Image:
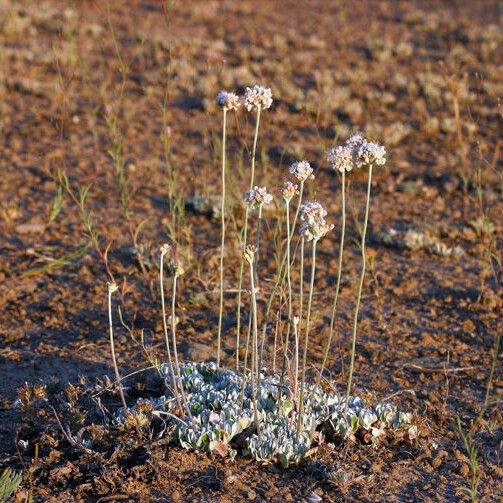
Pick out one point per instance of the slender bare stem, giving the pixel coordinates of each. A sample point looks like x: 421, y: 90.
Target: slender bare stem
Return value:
x: 306, y: 341
x: 288, y: 260
x: 360, y: 287
x: 245, y: 237
x: 254, y: 364
x: 281, y: 277
x: 245, y: 362
x: 222, y: 241
x: 296, y: 357
x: 339, y: 275
x: 164, y: 250
x: 281, y: 272
x: 275, y: 343
x: 112, y: 287
x: 301, y: 282
x: 257, y: 244
x: 175, y: 351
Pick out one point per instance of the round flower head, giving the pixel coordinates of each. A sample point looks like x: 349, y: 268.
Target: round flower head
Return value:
x: 341, y: 158
x: 312, y: 211
x: 229, y: 101
x: 257, y: 197
x: 112, y: 286
x: 370, y: 152
x: 257, y: 97
x: 314, y: 231
x: 165, y: 248
x: 301, y: 170
x: 288, y: 190
x: 354, y: 141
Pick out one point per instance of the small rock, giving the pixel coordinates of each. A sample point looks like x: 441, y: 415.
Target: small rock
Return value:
x: 313, y: 498
x: 28, y: 228
x: 251, y: 495
x: 464, y: 470
x: 437, y: 460
x: 469, y: 326
x: 175, y: 496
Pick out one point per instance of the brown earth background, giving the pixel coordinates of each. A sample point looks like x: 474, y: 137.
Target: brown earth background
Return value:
x: 399, y: 71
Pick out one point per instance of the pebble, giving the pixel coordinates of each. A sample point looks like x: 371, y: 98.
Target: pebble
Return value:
x: 175, y: 496
x: 28, y: 228
x: 463, y: 470
x: 437, y: 460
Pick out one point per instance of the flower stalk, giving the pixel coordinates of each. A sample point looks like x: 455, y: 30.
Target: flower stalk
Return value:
x: 222, y: 240
x: 255, y: 371
x: 164, y: 249
x: 112, y: 287
x: 360, y: 287
x: 245, y: 242
x: 339, y: 275
x: 306, y: 340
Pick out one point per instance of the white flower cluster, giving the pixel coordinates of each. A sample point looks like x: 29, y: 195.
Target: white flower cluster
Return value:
x: 257, y: 97
x: 301, y: 170
x: 312, y: 211
x: 314, y: 226
x: 370, y: 152
x: 341, y: 158
x: 257, y: 197
x: 356, y: 153
x: 289, y: 190
x: 213, y: 397
x: 228, y: 100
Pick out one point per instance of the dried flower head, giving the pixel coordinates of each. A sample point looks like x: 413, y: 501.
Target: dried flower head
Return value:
x: 313, y: 215
x: 112, y: 287
x: 370, y: 152
x: 227, y: 100
x: 175, y: 266
x: 257, y: 97
x: 341, y: 158
x: 136, y: 420
x: 257, y: 197
x: 165, y: 248
x: 312, y: 211
x: 289, y: 190
x: 249, y: 253
x: 39, y: 391
x: 301, y: 170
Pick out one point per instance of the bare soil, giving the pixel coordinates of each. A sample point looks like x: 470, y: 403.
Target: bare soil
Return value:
x: 428, y: 322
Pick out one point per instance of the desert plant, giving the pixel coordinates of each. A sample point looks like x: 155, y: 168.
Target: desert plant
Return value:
x: 9, y: 482
x: 471, y: 449
x: 207, y: 405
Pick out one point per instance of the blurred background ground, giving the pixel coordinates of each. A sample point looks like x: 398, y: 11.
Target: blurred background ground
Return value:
x: 424, y: 77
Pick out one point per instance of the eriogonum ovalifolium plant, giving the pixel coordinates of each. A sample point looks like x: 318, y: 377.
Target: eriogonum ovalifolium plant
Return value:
x: 217, y: 417
x: 272, y: 416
